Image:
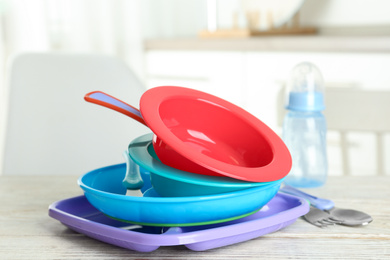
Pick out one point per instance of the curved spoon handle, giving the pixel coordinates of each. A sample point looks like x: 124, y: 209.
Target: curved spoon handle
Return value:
x: 132, y: 180
x: 105, y: 100
x: 319, y: 203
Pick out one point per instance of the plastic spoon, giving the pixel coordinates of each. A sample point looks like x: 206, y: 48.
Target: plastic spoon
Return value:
x: 132, y: 180
x: 349, y: 217
x: 319, y: 203
x: 105, y: 100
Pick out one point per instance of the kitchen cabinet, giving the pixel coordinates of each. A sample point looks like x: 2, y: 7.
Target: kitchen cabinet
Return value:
x: 218, y: 73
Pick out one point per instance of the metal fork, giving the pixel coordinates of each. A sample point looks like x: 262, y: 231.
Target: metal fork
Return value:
x: 320, y: 218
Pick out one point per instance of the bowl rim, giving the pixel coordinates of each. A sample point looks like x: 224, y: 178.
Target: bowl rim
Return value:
x: 124, y: 197
x: 138, y: 150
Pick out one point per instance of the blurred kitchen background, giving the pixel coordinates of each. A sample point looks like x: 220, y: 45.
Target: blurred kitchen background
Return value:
x: 241, y: 51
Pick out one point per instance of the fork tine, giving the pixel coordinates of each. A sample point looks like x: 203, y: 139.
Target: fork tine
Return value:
x: 319, y: 218
x: 324, y: 222
x: 336, y: 220
x: 318, y: 224
x: 329, y: 221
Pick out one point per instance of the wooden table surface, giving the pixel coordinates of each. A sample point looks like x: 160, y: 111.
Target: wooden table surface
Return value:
x: 27, y: 232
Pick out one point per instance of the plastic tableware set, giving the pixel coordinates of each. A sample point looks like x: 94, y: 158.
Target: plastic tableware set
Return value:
x: 209, y: 176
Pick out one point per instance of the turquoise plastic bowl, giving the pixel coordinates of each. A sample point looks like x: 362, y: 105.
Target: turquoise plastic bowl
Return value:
x: 171, y: 182
x: 104, y: 190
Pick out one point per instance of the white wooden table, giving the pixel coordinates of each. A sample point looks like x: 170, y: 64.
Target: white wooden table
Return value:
x: 27, y: 232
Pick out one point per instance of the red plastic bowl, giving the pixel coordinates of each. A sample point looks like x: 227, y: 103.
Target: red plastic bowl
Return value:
x: 201, y: 133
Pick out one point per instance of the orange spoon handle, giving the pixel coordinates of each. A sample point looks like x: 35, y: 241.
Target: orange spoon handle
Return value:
x: 105, y: 100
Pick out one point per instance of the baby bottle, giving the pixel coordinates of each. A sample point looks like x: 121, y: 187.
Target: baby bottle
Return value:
x: 304, y: 127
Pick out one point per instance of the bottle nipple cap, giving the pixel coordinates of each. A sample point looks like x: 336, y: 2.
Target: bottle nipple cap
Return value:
x: 305, y: 88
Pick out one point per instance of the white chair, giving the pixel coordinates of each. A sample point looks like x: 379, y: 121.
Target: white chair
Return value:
x: 353, y: 110
x: 350, y: 110
x: 51, y: 129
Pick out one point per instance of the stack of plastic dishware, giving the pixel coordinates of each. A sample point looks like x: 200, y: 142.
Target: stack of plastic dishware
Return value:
x: 208, y: 164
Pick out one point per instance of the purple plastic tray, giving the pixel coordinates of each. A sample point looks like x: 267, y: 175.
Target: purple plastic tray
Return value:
x: 79, y: 215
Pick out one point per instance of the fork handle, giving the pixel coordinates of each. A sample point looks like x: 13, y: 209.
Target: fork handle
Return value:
x: 319, y: 203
